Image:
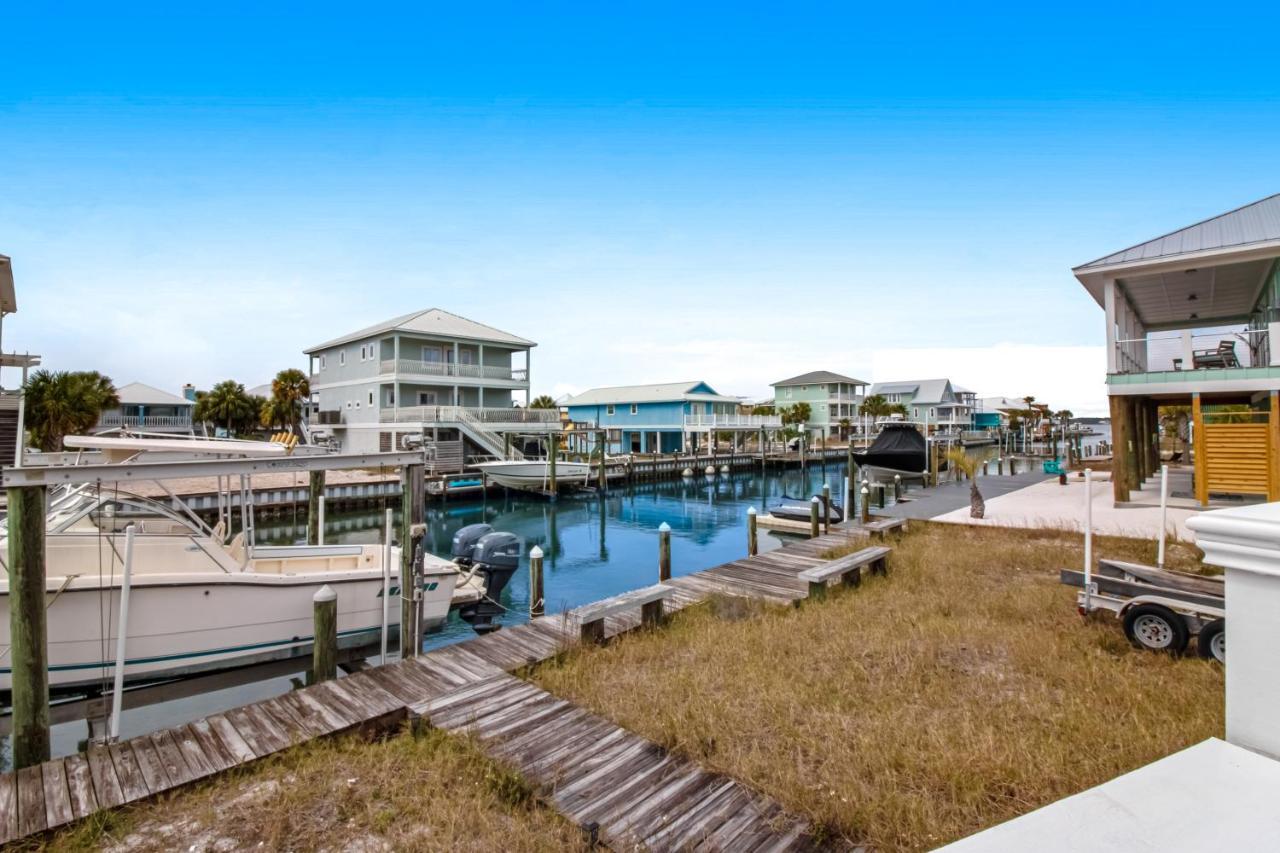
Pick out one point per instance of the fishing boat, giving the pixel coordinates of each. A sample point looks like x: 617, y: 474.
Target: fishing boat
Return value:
x: 535, y: 474
x: 899, y: 449
x: 200, y: 600
x: 798, y: 509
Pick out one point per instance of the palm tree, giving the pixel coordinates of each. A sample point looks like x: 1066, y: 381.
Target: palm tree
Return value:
x: 61, y: 403
x: 969, y: 465
x: 289, y: 390
x: 796, y: 414
x: 876, y: 406
x: 277, y: 413
x: 845, y: 426
x: 543, y: 401
x: 228, y: 405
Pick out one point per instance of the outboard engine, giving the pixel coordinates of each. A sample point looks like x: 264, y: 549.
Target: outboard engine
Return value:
x: 496, y: 556
x: 464, y: 542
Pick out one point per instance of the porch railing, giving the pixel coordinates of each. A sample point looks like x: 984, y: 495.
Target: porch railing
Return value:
x: 732, y: 421
x: 485, y: 416
x: 108, y: 420
x: 413, y: 367
x: 1185, y: 350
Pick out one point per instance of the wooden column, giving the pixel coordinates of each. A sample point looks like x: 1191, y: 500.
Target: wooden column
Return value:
x: 664, y: 552
x: 28, y: 630
x: 1132, y: 469
x: 324, y: 646
x: 536, y: 599
x: 1153, y: 440
x: 1201, y: 473
x: 1120, y: 431
x: 1273, y: 448
x: 412, y: 496
x: 315, y: 491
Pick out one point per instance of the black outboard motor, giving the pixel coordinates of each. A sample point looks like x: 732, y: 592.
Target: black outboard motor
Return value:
x: 464, y: 542
x: 496, y: 556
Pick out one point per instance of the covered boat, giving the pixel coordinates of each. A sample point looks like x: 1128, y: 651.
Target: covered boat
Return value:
x: 898, y: 449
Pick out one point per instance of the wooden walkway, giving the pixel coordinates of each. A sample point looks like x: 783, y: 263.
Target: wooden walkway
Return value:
x: 629, y: 790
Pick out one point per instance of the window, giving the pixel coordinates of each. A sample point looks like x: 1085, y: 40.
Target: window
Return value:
x: 342, y: 357
x: 915, y: 413
x: 608, y: 410
x: 370, y: 398
x: 362, y: 353
x: 322, y: 362
x: 787, y: 393
x: 391, y: 397
x: 635, y: 409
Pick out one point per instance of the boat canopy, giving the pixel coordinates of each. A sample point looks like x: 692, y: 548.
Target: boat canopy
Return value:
x: 898, y: 447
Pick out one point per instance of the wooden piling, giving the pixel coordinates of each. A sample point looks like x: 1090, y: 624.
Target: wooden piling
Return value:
x: 324, y: 646
x: 664, y: 552
x: 537, y: 602
x: 826, y: 508
x: 866, y: 504
x: 412, y: 496
x: 753, y: 544
x: 1121, y: 436
x: 813, y: 517
x: 553, y: 448
x: 315, y: 491
x: 28, y: 628
x: 602, y: 475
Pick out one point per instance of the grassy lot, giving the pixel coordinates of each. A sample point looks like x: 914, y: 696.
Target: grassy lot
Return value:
x: 420, y: 792
x: 959, y: 692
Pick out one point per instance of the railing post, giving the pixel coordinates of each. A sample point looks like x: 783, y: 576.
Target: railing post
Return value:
x: 664, y: 552
x: 324, y: 646
x: 753, y: 546
x: 536, y: 600
x: 28, y: 629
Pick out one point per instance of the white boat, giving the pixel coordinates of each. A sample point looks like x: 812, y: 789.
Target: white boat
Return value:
x: 198, y: 602
x: 536, y: 473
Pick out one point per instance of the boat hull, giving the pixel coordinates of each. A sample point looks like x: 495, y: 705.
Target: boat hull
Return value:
x: 536, y: 475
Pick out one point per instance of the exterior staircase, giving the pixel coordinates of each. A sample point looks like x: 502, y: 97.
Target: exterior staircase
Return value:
x: 8, y: 428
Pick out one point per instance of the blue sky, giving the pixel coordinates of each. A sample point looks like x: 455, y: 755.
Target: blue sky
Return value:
x: 652, y: 192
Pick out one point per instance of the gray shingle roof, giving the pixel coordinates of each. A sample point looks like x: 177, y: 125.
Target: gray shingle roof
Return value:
x: 818, y: 377
x: 435, y: 322
x: 658, y: 393
x: 927, y: 391
x: 1258, y: 222
x: 139, y: 394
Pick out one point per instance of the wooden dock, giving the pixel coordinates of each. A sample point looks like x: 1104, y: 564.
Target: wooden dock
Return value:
x: 623, y: 788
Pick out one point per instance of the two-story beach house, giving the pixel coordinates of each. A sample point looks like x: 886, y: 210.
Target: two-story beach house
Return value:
x: 451, y: 380
x: 1193, y: 319
x: 143, y: 408
x: 663, y: 418
x: 832, y: 398
x: 935, y: 402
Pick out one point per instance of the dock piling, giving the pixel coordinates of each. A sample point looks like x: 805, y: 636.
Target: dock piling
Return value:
x: 324, y: 648
x: 753, y: 546
x: 664, y: 552
x: 813, y: 517
x: 826, y: 507
x: 28, y: 627
x: 537, y: 603
x: 866, y: 503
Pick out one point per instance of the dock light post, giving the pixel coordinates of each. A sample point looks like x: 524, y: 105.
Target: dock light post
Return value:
x: 813, y: 516
x: 803, y: 432
x: 320, y: 519
x: 315, y: 515
x: 664, y: 552
x: 848, y: 499
x: 386, y: 581
x: 826, y: 507
x: 753, y: 545
x: 897, y: 487
x: 1164, y: 513
x: 1088, y: 540
x: 537, y: 604
x: 324, y: 648
x: 866, y: 503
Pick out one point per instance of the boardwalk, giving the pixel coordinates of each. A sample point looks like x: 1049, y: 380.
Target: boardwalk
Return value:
x: 606, y: 779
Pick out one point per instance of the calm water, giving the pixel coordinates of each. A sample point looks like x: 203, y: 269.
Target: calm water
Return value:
x: 595, y: 546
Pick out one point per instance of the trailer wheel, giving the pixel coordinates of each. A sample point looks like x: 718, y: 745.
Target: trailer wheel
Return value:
x: 1211, y: 644
x: 1156, y: 628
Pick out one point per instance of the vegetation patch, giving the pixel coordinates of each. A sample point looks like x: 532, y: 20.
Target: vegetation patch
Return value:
x: 424, y: 791
x: 960, y: 691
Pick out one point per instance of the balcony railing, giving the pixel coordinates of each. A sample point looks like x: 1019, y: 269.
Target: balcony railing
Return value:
x: 1178, y: 351
x: 733, y: 421
x: 456, y: 414
x: 108, y: 420
x: 848, y: 399
x: 448, y: 369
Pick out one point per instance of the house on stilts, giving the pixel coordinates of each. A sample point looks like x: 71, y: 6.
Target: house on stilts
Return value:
x: 1193, y: 319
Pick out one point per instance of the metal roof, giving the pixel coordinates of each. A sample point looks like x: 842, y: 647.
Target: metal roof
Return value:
x: 818, y: 377
x: 135, y: 393
x: 8, y: 299
x: 659, y: 393
x: 1258, y: 222
x: 927, y: 391
x: 434, y: 322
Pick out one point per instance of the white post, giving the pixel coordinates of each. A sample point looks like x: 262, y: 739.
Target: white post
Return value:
x: 386, y: 581
x: 1164, y: 513
x: 1088, y: 537
x: 122, y: 633
x: 848, y: 500
x: 320, y: 523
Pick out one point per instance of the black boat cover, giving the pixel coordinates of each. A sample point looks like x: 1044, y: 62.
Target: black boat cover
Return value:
x: 898, y: 447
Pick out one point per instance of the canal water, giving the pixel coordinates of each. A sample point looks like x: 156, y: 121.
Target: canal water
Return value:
x: 596, y: 545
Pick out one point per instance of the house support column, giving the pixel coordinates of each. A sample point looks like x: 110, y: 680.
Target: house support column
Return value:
x: 1133, y: 468
x: 1120, y: 436
x: 1198, y: 445
x: 1273, y: 447
x: 1140, y: 443
x: 1153, y: 440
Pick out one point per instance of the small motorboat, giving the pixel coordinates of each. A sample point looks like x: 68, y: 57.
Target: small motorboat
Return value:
x: 535, y: 474
x: 797, y: 509
x: 898, y: 449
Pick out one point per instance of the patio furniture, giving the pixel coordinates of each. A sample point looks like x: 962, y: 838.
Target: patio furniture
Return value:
x: 1223, y: 356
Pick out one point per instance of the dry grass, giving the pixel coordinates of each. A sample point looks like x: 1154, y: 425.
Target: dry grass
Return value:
x: 429, y: 791
x: 961, y: 691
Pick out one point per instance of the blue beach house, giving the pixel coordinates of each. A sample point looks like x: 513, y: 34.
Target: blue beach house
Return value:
x: 660, y: 418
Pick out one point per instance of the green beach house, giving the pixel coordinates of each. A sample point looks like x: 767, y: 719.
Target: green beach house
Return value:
x: 832, y: 398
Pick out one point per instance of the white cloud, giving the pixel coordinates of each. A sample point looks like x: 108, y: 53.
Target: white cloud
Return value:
x: 1064, y: 377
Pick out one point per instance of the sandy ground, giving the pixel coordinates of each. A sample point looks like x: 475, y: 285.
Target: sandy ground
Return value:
x: 1047, y: 504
